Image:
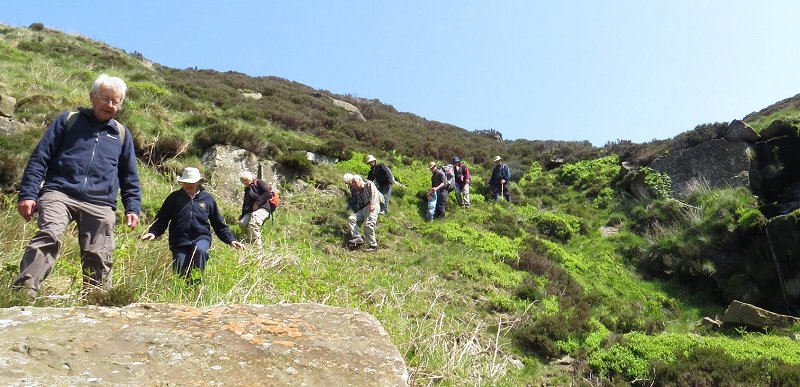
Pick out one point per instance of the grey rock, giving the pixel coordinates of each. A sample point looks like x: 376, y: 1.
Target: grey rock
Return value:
x: 709, y: 323
x: 224, y: 163
x: 255, y: 96
x: 740, y: 131
x: 718, y: 163
x: 9, y: 127
x: 320, y: 159
x: 7, y: 105
x: 162, y: 344
x: 740, y: 313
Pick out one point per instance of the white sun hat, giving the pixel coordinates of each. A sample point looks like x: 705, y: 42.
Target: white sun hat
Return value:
x: 190, y: 175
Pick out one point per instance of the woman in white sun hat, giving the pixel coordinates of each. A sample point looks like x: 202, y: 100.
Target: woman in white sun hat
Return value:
x: 190, y: 213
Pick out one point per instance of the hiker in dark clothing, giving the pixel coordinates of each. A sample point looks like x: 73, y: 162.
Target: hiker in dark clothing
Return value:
x: 255, y: 206
x: 382, y: 176
x: 437, y: 195
x: 499, y: 180
x: 83, y: 160
x: 462, y: 178
x: 190, y: 213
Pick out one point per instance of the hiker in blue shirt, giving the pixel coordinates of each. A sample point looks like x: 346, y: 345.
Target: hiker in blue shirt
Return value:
x: 82, y: 161
x: 499, y: 180
x: 190, y: 213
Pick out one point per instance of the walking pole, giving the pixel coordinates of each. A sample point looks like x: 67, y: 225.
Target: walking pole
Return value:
x: 502, y: 189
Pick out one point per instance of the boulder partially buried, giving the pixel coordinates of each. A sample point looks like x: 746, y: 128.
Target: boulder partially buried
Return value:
x: 163, y: 344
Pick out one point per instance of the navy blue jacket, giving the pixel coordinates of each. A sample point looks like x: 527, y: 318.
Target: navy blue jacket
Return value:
x: 88, y: 163
x: 500, y: 172
x: 190, y: 219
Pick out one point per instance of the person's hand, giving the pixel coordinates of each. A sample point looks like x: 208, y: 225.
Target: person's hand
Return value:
x: 371, y: 208
x: 26, y: 208
x: 148, y: 236
x: 131, y: 220
x: 255, y: 207
x: 237, y: 245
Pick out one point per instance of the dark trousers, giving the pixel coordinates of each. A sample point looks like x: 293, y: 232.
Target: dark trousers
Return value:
x: 194, y: 256
x: 441, y: 203
x: 496, y: 191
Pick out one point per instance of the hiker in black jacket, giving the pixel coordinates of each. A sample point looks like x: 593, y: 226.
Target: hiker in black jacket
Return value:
x: 382, y: 176
x: 255, y: 205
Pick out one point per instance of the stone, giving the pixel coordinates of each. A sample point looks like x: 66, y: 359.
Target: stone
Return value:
x: 717, y: 163
x: 165, y: 344
x: 224, y: 163
x: 9, y: 127
x: 255, y: 96
x: 709, y: 323
x: 740, y: 313
x: 740, y: 131
x: 320, y: 159
x: 7, y: 105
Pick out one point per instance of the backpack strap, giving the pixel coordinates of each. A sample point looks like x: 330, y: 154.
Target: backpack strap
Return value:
x: 73, y: 116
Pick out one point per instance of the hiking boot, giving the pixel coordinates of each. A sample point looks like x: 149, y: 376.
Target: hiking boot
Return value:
x: 356, y: 241
x: 371, y: 249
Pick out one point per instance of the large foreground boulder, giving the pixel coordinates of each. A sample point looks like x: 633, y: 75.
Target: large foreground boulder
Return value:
x: 178, y: 345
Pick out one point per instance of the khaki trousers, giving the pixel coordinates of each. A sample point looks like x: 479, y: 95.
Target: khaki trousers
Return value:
x: 370, y: 220
x: 95, y: 238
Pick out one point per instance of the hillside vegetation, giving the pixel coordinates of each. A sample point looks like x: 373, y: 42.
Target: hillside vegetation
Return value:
x: 490, y: 295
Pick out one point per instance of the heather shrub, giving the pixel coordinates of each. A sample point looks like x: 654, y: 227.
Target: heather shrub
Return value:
x: 296, y: 162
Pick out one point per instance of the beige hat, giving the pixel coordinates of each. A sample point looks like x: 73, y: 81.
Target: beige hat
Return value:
x: 190, y: 175
x: 497, y: 158
x: 369, y: 159
x: 432, y: 165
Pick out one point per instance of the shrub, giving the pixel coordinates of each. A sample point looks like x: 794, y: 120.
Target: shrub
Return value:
x: 36, y: 26
x: 659, y: 184
x: 296, y: 162
x: 715, y: 367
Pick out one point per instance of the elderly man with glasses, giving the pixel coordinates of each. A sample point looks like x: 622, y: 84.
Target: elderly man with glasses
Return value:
x: 83, y: 160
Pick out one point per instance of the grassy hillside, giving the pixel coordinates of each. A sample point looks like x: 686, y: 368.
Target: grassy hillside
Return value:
x: 487, y: 296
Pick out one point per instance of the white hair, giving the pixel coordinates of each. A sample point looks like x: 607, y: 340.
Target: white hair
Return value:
x: 247, y: 175
x: 115, y: 83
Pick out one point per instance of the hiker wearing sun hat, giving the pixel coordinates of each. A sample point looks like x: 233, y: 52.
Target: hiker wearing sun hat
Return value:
x: 190, y: 212
x: 499, y: 180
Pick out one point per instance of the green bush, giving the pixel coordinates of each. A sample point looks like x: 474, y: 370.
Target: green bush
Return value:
x: 296, y: 162
x: 715, y: 367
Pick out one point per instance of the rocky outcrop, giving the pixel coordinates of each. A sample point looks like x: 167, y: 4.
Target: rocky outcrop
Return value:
x: 719, y: 163
x: 740, y: 313
x: 179, y: 345
x: 224, y: 163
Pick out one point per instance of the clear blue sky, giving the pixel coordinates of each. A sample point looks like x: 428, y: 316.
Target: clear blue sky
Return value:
x: 540, y: 70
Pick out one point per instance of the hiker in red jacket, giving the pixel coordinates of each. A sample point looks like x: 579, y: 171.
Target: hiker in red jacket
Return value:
x: 462, y: 178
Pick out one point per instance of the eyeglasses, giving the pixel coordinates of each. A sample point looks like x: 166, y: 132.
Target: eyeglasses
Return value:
x: 105, y: 100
